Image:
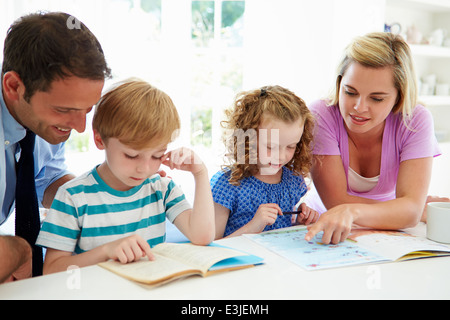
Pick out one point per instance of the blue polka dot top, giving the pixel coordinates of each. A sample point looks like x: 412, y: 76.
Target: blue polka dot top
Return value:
x: 245, y: 199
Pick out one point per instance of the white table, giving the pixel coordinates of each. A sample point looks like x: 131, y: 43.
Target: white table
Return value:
x: 277, y: 279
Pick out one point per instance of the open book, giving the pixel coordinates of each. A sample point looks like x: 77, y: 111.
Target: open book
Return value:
x: 176, y: 260
x: 362, y: 246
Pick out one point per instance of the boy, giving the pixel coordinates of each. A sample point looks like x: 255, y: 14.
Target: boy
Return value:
x: 118, y: 210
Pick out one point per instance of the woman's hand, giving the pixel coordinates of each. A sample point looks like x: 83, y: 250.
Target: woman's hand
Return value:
x: 432, y: 199
x: 336, y: 224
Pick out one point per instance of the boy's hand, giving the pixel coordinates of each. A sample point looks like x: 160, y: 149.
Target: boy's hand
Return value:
x: 129, y: 249
x: 184, y: 159
x: 266, y: 215
x: 307, y: 215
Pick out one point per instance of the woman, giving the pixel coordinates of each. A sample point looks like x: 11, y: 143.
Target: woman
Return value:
x: 374, y: 146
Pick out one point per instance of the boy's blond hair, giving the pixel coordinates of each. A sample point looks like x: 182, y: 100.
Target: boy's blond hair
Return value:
x: 138, y: 114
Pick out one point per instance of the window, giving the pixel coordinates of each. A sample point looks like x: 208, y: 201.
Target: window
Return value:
x: 217, y: 60
x: 203, y: 52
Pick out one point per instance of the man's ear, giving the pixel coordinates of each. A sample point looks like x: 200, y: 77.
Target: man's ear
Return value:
x: 98, y: 140
x: 13, y: 87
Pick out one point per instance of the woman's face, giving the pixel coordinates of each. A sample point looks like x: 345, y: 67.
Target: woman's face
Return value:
x: 366, y: 97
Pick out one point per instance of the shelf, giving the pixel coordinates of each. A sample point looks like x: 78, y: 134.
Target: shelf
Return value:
x: 435, y: 100
x: 425, y: 50
x: 427, y: 5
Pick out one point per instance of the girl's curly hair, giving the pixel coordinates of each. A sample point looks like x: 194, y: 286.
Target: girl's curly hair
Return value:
x: 246, y: 115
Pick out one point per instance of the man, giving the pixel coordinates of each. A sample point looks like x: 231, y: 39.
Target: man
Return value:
x: 53, y: 73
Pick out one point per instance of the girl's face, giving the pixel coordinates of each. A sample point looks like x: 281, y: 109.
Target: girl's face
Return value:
x: 124, y: 167
x: 277, y: 141
x: 366, y: 97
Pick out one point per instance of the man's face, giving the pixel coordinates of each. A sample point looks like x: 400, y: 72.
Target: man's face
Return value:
x: 52, y: 115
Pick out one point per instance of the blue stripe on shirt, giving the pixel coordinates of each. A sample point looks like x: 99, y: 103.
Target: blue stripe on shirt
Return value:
x: 61, y: 231
x: 124, y: 228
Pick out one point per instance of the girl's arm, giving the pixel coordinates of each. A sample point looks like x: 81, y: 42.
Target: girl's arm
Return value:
x: 404, y: 211
x: 266, y: 214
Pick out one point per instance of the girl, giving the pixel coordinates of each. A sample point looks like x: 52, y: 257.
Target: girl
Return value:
x: 270, y: 150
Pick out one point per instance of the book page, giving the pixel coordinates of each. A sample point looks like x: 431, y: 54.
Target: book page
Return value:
x: 201, y: 257
x: 149, y: 272
x: 174, y: 260
x: 396, y: 244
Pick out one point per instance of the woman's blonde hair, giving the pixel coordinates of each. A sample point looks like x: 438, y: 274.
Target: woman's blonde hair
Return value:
x: 379, y: 50
x: 247, y: 114
x: 138, y: 114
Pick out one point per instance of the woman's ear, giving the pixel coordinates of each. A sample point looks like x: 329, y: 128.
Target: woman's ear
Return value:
x: 99, y: 141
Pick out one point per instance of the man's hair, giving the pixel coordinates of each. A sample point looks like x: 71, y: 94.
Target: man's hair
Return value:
x: 46, y: 46
x: 137, y: 114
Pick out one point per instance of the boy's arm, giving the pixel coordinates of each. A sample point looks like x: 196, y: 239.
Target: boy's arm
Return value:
x: 221, y: 214
x: 198, y: 224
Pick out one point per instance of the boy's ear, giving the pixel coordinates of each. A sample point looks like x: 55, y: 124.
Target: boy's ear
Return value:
x: 98, y: 140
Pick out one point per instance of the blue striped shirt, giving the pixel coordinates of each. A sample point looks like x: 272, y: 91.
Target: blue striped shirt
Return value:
x: 87, y: 213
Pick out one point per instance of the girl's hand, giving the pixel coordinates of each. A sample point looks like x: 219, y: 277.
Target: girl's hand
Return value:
x: 184, y: 159
x: 128, y: 249
x: 266, y: 215
x: 336, y: 224
x: 307, y: 215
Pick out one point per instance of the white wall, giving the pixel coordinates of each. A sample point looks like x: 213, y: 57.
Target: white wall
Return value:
x: 297, y: 44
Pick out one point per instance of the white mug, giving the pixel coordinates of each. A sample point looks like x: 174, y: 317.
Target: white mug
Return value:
x: 438, y: 221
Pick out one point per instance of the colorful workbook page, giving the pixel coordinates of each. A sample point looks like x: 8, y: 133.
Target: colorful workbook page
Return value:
x: 313, y: 255
x: 361, y: 247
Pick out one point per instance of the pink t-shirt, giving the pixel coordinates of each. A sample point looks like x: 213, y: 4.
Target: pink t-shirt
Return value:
x: 400, y: 143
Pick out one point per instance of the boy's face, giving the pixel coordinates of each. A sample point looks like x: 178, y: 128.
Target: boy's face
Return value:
x: 124, y: 167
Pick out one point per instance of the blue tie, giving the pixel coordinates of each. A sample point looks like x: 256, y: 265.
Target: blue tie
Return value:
x: 27, y: 209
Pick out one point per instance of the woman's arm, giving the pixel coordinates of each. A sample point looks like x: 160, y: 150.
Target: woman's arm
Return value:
x: 404, y: 211
x: 330, y: 181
